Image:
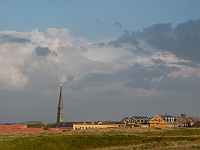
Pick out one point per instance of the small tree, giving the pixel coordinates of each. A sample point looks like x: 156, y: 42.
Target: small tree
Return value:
x: 46, y: 127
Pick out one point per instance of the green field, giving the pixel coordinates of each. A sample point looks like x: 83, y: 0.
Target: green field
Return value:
x: 112, y: 139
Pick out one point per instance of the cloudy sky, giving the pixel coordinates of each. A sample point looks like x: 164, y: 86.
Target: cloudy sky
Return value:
x: 114, y: 58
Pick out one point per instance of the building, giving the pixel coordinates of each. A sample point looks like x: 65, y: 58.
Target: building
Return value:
x: 35, y: 124
x: 164, y: 121
x: 142, y: 121
x: 88, y: 125
x: 185, y: 121
x: 65, y: 125
x: 13, y: 128
x: 196, y: 124
x: 96, y: 125
x: 182, y: 122
x: 60, y: 112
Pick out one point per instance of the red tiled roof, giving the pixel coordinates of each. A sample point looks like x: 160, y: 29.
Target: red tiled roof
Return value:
x: 13, y: 126
x: 23, y: 128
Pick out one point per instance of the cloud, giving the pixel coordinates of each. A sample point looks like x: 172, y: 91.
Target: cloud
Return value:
x: 64, y: 58
x: 138, y: 67
x: 19, y: 62
x: 188, y: 36
x: 157, y: 29
x: 118, y: 25
x: 93, y: 80
x: 8, y: 38
x: 56, y: 56
x: 182, y: 41
x: 42, y: 51
x: 15, y: 55
x: 187, y: 63
x: 105, y: 53
x: 126, y: 38
x: 142, y: 77
x: 179, y: 84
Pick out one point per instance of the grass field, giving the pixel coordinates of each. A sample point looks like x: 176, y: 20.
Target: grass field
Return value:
x: 106, y: 139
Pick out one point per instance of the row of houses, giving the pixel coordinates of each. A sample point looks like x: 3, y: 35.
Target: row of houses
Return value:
x: 138, y: 121
x: 162, y: 121
x: 38, y: 126
x: 141, y: 121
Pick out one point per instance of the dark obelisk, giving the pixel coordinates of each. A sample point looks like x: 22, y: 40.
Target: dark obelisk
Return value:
x: 60, y: 113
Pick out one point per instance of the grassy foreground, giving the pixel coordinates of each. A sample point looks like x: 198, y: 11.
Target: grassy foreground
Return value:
x: 116, y: 139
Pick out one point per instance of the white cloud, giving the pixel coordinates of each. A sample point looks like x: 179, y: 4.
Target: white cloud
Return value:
x: 15, y: 58
x: 19, y: 59
x: 71, y: 58
x: 106, y: 53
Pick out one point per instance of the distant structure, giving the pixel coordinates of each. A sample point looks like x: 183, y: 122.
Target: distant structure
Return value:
x: 60, y: 113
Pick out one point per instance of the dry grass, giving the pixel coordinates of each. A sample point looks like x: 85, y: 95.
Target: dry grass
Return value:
x: 107, y: 139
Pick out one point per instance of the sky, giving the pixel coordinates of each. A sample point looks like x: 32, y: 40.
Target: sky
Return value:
x: 114, y: 58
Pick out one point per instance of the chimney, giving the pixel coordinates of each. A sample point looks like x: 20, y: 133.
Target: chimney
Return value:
x: 183, y: 115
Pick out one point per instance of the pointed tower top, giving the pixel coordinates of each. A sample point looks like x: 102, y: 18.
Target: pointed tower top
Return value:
x: 60, y: 112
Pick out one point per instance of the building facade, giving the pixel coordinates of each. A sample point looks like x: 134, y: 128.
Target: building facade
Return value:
x: 142, y: 121
x: 95, y: 125
x: 185, y: 121
x: 164, y: 121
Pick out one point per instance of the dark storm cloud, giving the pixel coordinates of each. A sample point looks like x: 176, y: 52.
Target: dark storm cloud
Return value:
x: 130, y: 38
x: 188, y: 37
x: 42, y: 51
x: 7, y: 38
x: 136, y: 76
x: 134, y: 38
x: 182, y: 41
x: 141, y: 77
x: 155, y: 29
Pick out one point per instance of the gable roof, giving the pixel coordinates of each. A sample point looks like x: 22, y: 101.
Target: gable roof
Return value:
x: 196, y: 124
x: 182, y: 120
x: 141, y: 117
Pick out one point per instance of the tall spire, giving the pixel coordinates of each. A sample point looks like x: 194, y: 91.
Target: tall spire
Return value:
x: 60, y: 113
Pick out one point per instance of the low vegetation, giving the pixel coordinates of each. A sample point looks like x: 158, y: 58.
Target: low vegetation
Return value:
x: 116, y: 139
